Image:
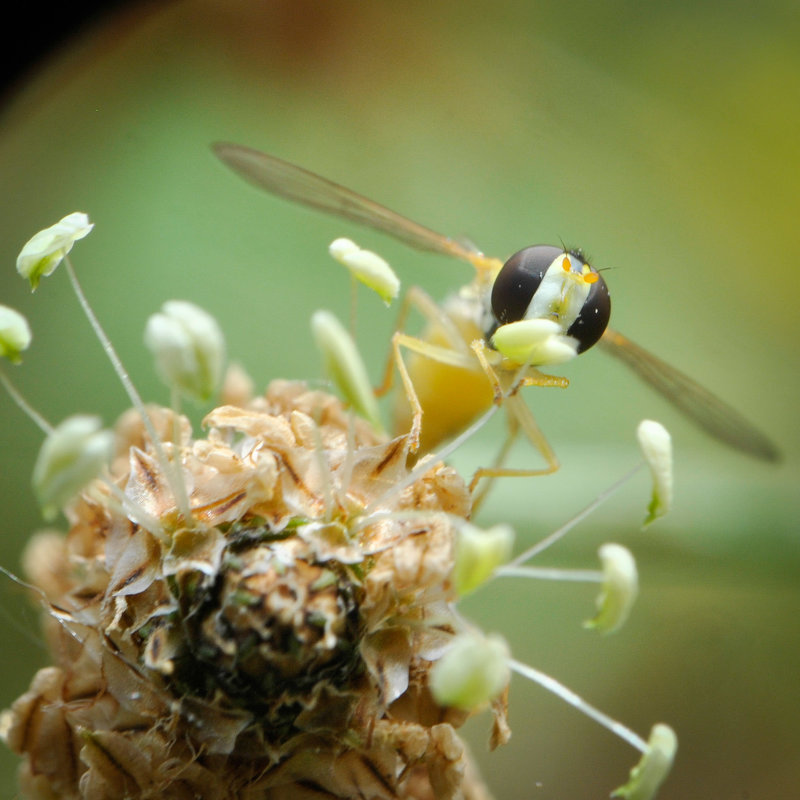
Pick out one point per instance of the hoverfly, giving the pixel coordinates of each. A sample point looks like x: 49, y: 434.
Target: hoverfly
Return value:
x: 454, y: 371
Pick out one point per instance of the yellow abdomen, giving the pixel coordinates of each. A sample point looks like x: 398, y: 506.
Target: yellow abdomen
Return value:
x: 451, y: 397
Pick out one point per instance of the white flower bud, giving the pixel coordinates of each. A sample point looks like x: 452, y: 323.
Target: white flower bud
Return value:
x: 345, y: 365
x: 367, y: 267
x: 71, y: 456
x: 534, y: 341
x: 46, y: 250
x: 620, y: 587
x: 654, y: 766
x: 15, y: 334
x: 188, y: 347
x: 656, y: 445
x: 478, y: 553
x: 472, y: 672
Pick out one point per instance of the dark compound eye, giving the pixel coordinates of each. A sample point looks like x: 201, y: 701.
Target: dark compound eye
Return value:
x: 521, y: 277
x: 592, y: 320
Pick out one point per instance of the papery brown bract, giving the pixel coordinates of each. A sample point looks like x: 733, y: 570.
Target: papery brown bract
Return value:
x: 278, y: 647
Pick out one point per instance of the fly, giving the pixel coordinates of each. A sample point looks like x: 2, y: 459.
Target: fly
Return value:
x: 454, y: 371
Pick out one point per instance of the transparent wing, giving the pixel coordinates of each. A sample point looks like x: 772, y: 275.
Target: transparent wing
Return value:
x: 304, y: 187
x: 703, y: 408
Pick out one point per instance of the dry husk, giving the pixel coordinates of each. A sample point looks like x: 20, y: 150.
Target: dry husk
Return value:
x: 277, y: 646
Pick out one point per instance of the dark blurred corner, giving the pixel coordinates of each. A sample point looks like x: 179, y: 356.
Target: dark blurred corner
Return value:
x: 36, y: 31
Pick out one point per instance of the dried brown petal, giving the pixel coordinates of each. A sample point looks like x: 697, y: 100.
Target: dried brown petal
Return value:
x: 276, y: 646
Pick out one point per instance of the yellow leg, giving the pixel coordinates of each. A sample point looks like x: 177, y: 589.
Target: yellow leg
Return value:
x: 433, y: 314
x: 442, y: 355
x: 455, y: 353
x: 451, y: 351
x: 479, y: 348
x: 530, y: 377
x: 519, y: 418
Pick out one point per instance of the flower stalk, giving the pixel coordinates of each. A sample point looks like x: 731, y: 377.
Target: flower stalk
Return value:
x: 171, y: 469
x: 44, y: 426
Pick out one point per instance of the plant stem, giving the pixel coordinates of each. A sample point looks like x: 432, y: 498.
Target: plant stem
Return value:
x: 25, y: 406
x: 579, y: 517
x: 558, y: 689
x: 550, y: 574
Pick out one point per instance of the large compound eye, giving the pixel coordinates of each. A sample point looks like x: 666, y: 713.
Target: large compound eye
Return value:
x: 547, y: 282
x: 591, y: 322
x: 519, y: 278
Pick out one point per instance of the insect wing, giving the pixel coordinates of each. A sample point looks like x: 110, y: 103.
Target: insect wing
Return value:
x: 703, y: 408
x: 307, y: 188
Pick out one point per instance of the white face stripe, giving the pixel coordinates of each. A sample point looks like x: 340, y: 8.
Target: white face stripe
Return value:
x: 561, y: 294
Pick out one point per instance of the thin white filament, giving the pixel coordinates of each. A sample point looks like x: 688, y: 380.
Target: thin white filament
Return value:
x: 579, y: 517
x: 558, y: 689
x: 550, y: 574
x: 172, y: 471
x: 25, y: 406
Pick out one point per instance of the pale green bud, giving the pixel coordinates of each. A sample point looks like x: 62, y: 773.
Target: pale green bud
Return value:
x: 656, y: 445
x: 620, y: 587
x: 367, y: 267
x: 472, y: 672
x: 654, y: 766
x: 534, y: 341
x: 188, y: 347
x: 478, y: 553
x: 46, y: 250
x: 71, y: 456
x: 15, y: 334
x: 344, y: 364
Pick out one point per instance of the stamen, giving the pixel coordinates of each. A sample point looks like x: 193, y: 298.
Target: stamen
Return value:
x: 171, y: 471
x: 25, y: 406
x: 550, y: 573
x: 576, y: 701
x: 579, y: 517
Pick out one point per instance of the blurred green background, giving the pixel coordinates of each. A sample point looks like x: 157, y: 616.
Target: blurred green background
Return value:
x: 662, y: 138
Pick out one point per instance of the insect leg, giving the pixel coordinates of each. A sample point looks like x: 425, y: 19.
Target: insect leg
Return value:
x: 503, y: 389
x: 502, y: 454
x: 519, y: 418
x: 437, y: 353
x: 420, y: 300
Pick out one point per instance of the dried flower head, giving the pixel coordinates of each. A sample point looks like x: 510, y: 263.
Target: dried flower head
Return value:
x: 284, y: 641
